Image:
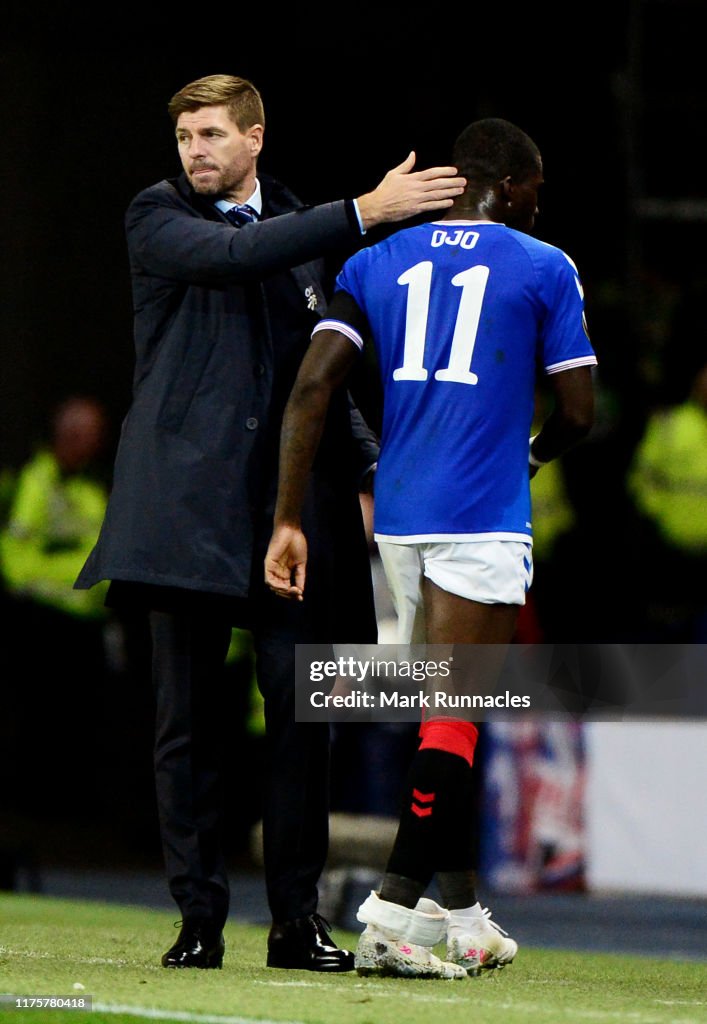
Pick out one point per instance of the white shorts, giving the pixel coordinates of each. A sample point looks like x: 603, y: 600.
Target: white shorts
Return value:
x: 491, y: 572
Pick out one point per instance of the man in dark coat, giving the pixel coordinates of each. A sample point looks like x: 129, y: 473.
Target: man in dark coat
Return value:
x: 227, y: 285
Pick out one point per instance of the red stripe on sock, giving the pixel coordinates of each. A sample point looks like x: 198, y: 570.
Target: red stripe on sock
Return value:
x: 423, y: 798
x: 421, y: 812
x: 452, y: 735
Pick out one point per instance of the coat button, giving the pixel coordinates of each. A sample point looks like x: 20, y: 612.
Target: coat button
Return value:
x: 259, y: 369
x: 251, y: 423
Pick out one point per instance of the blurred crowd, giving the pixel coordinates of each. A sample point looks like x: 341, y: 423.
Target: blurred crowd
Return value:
x: 620, y: 524
x: 77, y: 723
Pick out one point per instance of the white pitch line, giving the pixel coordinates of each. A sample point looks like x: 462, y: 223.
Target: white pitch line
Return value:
x: 473, y: 990
x: 378, y: 993
x: 32, y: 954
x: 634, y: 1017
x: 681, y: 1002
x: 151, y: 1013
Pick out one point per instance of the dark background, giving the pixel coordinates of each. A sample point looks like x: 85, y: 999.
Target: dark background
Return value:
x: 615, y: 100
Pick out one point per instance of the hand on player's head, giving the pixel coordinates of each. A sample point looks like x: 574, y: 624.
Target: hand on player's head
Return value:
x: 406, y: 193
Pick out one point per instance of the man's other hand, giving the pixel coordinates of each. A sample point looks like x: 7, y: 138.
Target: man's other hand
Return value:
x: 286, y: 562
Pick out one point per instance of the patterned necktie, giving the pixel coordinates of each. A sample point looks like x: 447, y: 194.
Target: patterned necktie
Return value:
x: 240, y: 215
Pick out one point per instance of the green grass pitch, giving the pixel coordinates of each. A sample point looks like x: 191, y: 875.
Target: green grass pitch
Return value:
x: 48, y: 946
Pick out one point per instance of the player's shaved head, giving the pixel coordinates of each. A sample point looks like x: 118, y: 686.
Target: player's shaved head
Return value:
x: 491, y: 149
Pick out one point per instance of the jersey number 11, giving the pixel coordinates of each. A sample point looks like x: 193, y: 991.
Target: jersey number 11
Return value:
x: 418, y: 280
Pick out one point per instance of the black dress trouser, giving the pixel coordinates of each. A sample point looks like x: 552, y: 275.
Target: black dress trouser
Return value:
x: 191, y: 742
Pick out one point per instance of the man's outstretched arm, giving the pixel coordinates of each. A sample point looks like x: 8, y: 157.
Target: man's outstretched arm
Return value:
x: 325, y: 366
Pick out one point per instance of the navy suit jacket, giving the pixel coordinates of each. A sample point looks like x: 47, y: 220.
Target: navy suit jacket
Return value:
x: 223, y: 317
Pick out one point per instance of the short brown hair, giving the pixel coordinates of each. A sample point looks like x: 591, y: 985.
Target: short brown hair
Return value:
x: 242, y: 99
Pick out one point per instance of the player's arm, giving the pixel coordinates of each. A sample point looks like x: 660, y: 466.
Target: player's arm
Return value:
x: 567, y: 356
x: 330, y: 356
x: 570, y: 420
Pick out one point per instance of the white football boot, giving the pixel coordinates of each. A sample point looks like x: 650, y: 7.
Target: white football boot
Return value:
x: 477, y: 943
x: 398, y: 941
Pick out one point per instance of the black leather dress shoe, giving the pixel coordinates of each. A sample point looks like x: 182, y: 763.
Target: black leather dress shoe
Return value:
x: 199, y: 945
x: 304, y: 944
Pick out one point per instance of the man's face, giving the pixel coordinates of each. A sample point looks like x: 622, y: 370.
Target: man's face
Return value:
x: 218, y: 159
x: 524, y: 201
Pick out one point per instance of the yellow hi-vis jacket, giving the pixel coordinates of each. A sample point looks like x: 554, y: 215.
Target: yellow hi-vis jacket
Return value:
x: 53, y: 524
x: 668, y: 477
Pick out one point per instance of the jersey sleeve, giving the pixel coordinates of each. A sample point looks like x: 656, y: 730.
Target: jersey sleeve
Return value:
x: 345, y: 313
x: 564, y: 340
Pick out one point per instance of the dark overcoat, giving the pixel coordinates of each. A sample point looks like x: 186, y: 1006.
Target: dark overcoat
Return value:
x: 223, y: 317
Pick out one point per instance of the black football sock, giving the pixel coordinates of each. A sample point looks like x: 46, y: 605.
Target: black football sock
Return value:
x: 403, y: 891
x: 458, y: 889
x: 436, y: 823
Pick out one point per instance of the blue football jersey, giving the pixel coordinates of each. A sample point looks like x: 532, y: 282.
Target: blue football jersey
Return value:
x: 462, y: 315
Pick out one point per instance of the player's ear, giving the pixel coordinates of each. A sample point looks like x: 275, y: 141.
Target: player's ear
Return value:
x: 505, y: 189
